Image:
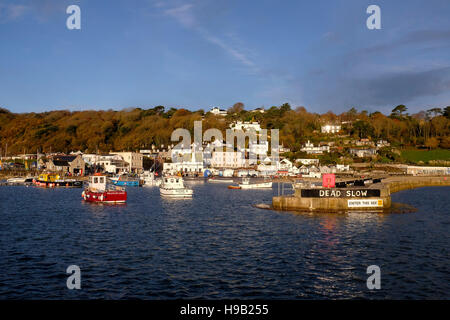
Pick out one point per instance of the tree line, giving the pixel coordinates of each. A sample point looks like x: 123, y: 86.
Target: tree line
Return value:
x: 140, y: 128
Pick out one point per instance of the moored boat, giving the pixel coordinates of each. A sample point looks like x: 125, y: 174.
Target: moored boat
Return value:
x: 149, y: 180
x: 173, y: 187
x: 98, y: 191
x: 125, y: 181
x: 218, y: 180
x: 247, y: 185
x: 51, y: 180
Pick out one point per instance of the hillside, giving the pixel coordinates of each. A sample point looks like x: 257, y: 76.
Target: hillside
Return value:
x: 138, y: 128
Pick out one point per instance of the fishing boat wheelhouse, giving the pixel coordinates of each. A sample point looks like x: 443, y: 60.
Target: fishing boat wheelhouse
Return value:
x: 99, y: 191
x: 173, y: 187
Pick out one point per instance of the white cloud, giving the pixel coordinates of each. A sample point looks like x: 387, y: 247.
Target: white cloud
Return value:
x: 10, y: 12
x: 182, y: 14
x: 185, y: 16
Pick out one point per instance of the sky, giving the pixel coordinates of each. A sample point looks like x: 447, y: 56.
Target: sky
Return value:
x: 196, y: 54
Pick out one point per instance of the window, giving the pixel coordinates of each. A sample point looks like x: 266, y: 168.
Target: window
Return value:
x: 95, y: 180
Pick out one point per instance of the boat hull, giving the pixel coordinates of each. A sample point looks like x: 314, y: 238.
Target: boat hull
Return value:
x: 264, y: 185
x: 108, y: 196
x: 126, y: 183
x: 221, y: 180
x: 176, y: 193
x: 62, y: 183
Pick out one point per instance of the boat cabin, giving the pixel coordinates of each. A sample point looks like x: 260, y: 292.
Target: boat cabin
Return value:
x: 98, y: 182
x: 173, y: 182
x: 48, y: 177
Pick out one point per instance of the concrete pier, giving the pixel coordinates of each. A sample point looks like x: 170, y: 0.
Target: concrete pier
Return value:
x: 353, y: 198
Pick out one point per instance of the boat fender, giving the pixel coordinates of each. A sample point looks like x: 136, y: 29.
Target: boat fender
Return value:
x: 100, y: 198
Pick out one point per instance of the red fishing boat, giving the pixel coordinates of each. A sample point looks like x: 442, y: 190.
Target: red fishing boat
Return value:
x: 98, y: 191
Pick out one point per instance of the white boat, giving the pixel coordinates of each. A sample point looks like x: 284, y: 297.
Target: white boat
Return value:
x: 19, y: 180
x: 16, y: 180
x: 173, y: 187
x: 149, y: 179
x: 247, y: 185
x: 220, y: 180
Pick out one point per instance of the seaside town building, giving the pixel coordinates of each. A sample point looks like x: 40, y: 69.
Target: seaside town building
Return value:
x: 112, y: 163
x: 331, y: 128
x: 260, y: 110
x: 361, y: 153
x: 228, y: 159
x: 383, y: 143
x: 134, y: 160
x: 187, y: 164
x: 246, y: 125
x: 74, y: 165
x: 308, y: 161
x: 218, y: 112
x: 309, y: 148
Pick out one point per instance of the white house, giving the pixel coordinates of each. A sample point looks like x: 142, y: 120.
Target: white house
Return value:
x: 361, y: 153
x: 187, y: 164
x: 284, y: 165
x: 331, y: 128
x: 267, y: 170
x: 309, y: 148
x: 218, y: 112
x: 247, y: 125
x: 342, y: 167
x: 112, y: 163
x: 308, y: 161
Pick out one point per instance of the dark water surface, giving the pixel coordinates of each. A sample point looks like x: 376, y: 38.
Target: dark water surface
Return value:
x: 218, y: 246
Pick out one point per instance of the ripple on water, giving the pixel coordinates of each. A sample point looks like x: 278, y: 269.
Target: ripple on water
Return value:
x: 217, y: 245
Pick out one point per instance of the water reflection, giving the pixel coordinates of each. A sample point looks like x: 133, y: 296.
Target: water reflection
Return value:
x: 217, y: 245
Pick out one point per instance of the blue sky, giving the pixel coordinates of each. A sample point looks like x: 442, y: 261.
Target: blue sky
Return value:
x: 202, y: 53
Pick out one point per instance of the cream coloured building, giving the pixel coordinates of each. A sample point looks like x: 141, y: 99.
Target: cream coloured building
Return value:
x: 227, y: 159
x: 134, y: 160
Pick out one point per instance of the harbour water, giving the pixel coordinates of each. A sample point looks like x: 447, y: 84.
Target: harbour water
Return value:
x: 218, y: 246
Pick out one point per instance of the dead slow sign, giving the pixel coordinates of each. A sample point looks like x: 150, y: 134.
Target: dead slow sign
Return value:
x: 340, y: 193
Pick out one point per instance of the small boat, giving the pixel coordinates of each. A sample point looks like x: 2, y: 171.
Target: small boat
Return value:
x: 173, y: 187
x: 247, y: 185
x: 148, y: 179
x: 220, y: 180
x: 123, y: 181
x: 234, y: 187
x: 52, y: 180
x: 16, y: 180
x: 99, y: 191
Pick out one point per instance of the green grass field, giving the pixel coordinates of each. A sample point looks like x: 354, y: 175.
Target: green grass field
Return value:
x: 425, y: 155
